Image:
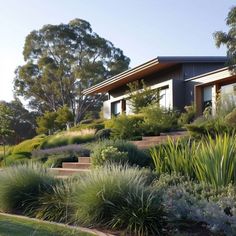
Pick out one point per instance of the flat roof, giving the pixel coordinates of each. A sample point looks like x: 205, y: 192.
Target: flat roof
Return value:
x: 154, y: 65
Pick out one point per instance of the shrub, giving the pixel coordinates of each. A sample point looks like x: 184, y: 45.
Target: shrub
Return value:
x: 204, y: 127
x: 69, y: 137
x: 231, y: 118
x: 29, y: 145
x: 125, y: 127
x: 56, y: 160
x: 55, y: 204
x: 188, y: 116
x: 118, y: 198
x: 103, y: 134
x: 135, y: 156
x: 186, y: 200
x: 157, y: 120
x: 21, y: 186
x: 69, y: 150
x: 16, y: 159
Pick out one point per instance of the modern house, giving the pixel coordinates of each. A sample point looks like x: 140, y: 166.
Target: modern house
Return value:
x: 181, y: 81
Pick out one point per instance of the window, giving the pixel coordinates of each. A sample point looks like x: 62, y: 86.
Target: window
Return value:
x: 116, y: 108
x: 207, y: 97
x: 228, y: 94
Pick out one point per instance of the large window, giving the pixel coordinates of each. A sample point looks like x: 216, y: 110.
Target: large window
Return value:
x: 164, y: 97
x: 228, y: 95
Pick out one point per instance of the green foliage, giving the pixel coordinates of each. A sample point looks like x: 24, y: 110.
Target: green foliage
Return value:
x: 215, y: 161
x: 5, y: 123
x: 56, y: 204
x: 53, y: 121
x: 188, y: 116
x: 230, y: 118
x: 16, y: 159
x: 175, y: 157
x: 211, y: 161
x: 56, y: 56
x: 118, y: 198
x: 125, y: 127
x: 158, y: 120
x: 141, y: 96
x: 68, y: 137
x: 20, y: 187
x: 103, y: 134
x: 28, y: 145
x: 228, y: 39
x: 89, y: 124
x: 55, y: 161
x: 136, y: 157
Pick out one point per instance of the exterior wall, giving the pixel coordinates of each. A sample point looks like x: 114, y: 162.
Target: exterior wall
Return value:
x: 194, y: 69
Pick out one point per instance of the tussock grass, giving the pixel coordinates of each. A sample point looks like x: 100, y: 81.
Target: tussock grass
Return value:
x: 20, y: 187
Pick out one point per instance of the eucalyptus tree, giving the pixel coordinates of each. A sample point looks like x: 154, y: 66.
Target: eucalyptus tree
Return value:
x: 61, y: 61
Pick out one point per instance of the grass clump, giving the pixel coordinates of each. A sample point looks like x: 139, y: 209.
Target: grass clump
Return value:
x: 21, y: 186
x: 119, y: 198
x: 55, y: 204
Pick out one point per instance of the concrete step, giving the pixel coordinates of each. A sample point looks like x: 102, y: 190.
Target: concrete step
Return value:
x: 76, y: 165
x: 84, y: 160
x: 67, y: 171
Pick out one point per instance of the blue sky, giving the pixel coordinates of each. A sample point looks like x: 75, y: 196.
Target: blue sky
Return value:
x: 143, y: 29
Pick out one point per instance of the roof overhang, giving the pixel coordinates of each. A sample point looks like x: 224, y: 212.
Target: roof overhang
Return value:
x: 217, y: 76
x: 152, y: 66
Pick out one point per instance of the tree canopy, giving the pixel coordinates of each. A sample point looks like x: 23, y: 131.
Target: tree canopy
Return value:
x: 63, y: 60
x: 18, y: 122
x: 228, y: 39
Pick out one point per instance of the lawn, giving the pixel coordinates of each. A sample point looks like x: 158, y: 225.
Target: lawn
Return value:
x: 12, y: 226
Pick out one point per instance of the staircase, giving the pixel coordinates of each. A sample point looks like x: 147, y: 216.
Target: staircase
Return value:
x: 151, y: 141
x: 70, y: 168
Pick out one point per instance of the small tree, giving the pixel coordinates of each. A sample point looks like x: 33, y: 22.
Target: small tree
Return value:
x: 52, y: 121
x: 140, y: 95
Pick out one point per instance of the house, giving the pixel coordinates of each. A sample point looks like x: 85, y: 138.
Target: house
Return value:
x: 181, y: 81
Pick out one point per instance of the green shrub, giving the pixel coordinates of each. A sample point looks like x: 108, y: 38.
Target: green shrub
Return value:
x: 215, y: 161
x: 68, y: 137
x: 89, y: 124
x: 56, y: 204
x: 118, y: 198
x: 16, y: 159
x: 125, y: 127
x: 21, y: 186
x: 135, y: 156
x: 203, y: 127
x: 157, y: 120
x: 103, y: 134
x: 55, y: 161
x: 175, y: 156
x: 29, y: 145
x: 231, y: 118
x: 188, y: 116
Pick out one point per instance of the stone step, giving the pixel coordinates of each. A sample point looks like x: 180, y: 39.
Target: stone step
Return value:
x: 76, y: 165
x: 67, y: 171
x: 84, y: 160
